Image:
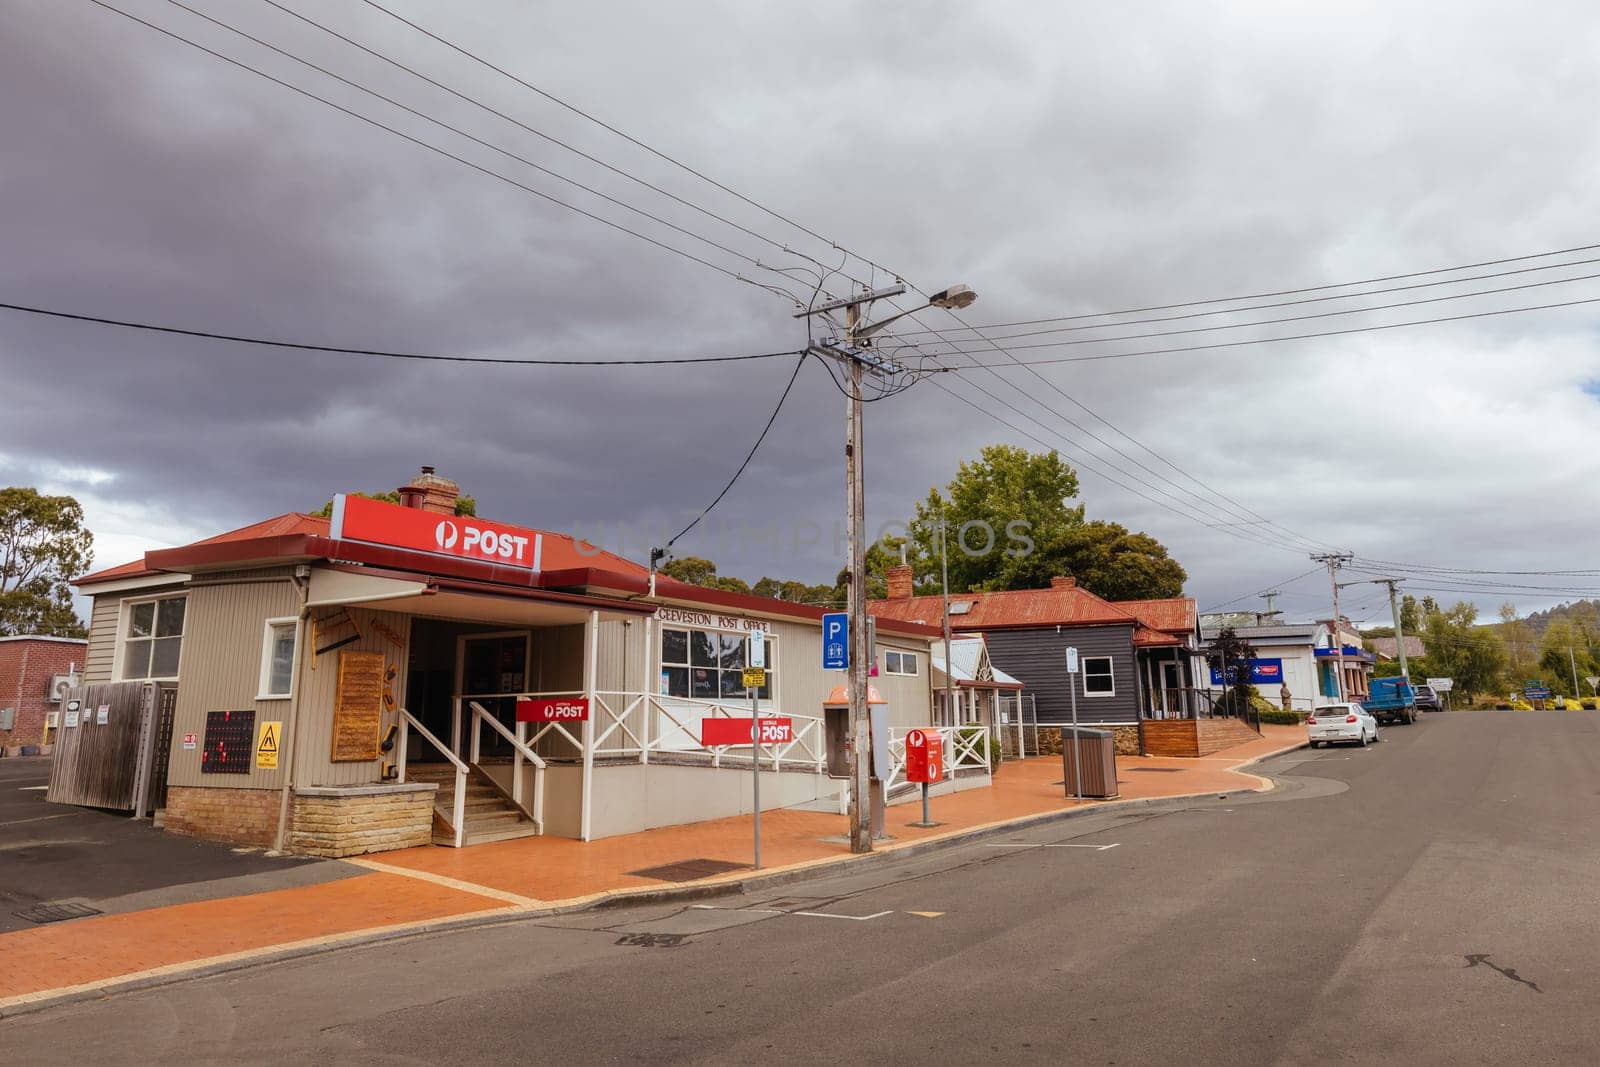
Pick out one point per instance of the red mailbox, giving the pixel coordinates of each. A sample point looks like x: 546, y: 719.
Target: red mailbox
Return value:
x: 924, y: 756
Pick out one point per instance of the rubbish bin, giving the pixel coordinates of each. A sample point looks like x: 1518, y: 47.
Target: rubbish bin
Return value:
x: 1097, y: 751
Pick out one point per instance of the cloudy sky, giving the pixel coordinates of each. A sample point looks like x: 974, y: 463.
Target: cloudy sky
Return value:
x: 1062, y: 159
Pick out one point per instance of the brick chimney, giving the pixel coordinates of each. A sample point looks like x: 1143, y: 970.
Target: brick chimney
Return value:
x: 430, y: 492
x: 1058, y: 582
x: 899, y: 582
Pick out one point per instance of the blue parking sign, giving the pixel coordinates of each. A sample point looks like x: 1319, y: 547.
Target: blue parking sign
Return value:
x: 836, y: 641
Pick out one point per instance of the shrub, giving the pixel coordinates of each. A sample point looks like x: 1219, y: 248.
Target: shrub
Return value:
x: 985, y: 744
x: 1279, y: 717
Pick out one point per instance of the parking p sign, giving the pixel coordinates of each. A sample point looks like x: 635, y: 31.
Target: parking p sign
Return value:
x: 836, y: 641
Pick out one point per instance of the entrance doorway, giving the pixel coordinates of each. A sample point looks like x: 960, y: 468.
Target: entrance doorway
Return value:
x: 491, y: 670
x: 1171, y: 687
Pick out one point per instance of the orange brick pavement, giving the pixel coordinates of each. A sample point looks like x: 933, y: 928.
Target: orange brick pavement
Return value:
x: 423, y: 884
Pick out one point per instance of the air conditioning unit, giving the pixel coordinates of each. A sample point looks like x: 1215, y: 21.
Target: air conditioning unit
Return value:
x: 59, y: 684
x: 52, y: 719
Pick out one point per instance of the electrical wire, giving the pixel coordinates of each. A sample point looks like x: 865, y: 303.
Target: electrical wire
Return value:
x: 801, y: 362
x: 1291, y: 292
x: 1267, y: 340
x: 304, y: 346
x: 443, y: 152
x: 1263, y: 592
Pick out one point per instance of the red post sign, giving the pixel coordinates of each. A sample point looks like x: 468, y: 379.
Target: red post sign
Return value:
x: 565, y: 709
x: 924, y: 756
x: 375, y: 522
x: 774, y: 731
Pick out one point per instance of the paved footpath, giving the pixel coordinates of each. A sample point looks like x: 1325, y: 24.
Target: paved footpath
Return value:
x: 431, y: 888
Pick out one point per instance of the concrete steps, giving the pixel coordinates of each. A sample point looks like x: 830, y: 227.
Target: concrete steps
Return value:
x: 489, y: 816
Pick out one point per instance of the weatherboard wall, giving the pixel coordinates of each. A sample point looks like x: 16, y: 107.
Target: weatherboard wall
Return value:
x: 1037, y: 658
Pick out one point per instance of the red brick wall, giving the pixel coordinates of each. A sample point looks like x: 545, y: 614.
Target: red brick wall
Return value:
x: 26, y: 666
x: 237, y: 816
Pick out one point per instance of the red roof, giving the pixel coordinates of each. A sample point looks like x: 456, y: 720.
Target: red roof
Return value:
x: 1010, y: 609
x: 1145, y: 637
x: 1173, y: 615
x: 564, y: 565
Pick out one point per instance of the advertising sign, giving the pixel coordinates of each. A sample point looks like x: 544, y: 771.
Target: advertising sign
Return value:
x: 564, y: 709
x: 774, y: 731
x: 1262, y: 672
x: 924, y: 756
x: 375, y: 522
x: 836, y: 641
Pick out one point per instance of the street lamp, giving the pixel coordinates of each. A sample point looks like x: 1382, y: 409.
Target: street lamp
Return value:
x: 865, y: 819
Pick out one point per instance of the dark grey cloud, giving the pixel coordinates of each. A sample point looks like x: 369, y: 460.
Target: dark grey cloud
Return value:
x: 1060, y: 159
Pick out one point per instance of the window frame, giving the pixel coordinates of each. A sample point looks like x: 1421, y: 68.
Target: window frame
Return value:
x: 264, y: 680
x: 901, y: 656
x: 1110, y: 674
x: 124, y: 636
x: 663, y: 664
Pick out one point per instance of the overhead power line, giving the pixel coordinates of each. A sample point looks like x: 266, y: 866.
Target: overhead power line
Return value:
x: 1290, y: 292
x: 305, y: 346
x: 619, y: 227
x: 1265, y: 340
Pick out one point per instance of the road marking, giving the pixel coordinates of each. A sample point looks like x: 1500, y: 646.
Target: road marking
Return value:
x: 1030, y: 844
x: 39, y: 818
x: 449, y: 883
x: 32, y: 788
x: 807, y: 914
x: 926, y: 914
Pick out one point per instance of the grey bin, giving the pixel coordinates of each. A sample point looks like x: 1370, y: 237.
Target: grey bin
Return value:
x: 1097, y: 751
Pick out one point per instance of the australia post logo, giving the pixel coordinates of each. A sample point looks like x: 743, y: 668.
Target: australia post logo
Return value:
x: 379, y: 523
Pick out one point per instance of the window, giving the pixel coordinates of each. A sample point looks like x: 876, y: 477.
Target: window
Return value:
x: 153, y: 638
x: 708, y: 664
x: 900, y: 663
x: 1097, y: 678
x: 277, y: 660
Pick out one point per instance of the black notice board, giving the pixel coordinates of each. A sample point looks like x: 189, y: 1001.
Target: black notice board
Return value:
x: 229, y: 742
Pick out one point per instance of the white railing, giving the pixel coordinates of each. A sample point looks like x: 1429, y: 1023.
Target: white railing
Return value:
x: 458, y: 816
x: 966, y: 747
x: 522, y: 752
x: 677, y: 721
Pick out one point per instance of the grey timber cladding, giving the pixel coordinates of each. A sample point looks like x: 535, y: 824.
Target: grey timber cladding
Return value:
x: 1037, y: 659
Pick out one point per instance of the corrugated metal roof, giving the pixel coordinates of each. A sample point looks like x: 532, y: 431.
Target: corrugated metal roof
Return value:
x: 1170, y: 614
x: 1010, y: 609
x: 967, y: 653
x: 293, y: 522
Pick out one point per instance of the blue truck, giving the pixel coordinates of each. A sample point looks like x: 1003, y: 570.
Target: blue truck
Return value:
x: 1391, y: 700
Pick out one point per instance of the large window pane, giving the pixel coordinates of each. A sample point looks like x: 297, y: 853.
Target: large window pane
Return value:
x: 703, y: 683
x: 675, y: 681
x: 136, y: 659
x: 169, y: 617
x: 164, y: 657
x: 141, y: 620
x: 674, y: 646
x: 733, y: 683
x: 280, y: 676
x: 702, y: 649
x: 732, y: 651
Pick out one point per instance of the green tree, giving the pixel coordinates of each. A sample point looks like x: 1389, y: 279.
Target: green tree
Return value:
x: 1230, y: 655
x: 1410, y: 614
x: 1458, y: 648
x: 43, y: 546
x: 697, y: 570
x: 1519, y: 638
x: 465, y: 505
x: 1012, y: 525
x: 1556, y: 662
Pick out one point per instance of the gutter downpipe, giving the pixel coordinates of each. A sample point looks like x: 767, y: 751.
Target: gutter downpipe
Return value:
x: 302, y: 578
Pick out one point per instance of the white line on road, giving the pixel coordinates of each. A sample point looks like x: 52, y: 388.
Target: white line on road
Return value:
x: 807, y: 914
x: 39, y: 818
x: 1030, y: 844
x: 32, y: 788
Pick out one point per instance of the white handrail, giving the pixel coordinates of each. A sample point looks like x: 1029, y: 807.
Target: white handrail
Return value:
x: 458, y: 815
x: 481, y: 714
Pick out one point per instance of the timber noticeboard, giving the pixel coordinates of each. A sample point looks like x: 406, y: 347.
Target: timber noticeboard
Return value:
x: 358, y: 707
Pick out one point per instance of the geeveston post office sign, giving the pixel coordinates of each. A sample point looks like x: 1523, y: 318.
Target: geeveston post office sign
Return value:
x: 707, y: 620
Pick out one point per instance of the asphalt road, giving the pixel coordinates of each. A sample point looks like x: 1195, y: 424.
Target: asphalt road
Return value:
x: 1431, y: 899
x: 110, y: 862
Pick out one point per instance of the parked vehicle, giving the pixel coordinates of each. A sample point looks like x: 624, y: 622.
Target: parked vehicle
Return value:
x: 1427, y: 699
x: 1341, y: 722
x: 1391, y: 700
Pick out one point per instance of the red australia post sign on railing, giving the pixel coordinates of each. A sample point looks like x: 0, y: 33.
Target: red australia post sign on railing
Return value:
x: 774, y: 731
x: 564, y: 709
x: 376, y: 522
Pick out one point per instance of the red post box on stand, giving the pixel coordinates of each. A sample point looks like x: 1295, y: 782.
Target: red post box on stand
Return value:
x: 924, y: 763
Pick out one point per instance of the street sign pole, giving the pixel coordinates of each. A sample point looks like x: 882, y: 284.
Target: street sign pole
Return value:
x: 1077, y: 750
x: 755, y: 766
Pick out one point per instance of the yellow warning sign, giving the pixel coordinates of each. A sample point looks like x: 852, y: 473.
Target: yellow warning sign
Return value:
x: 755, y: 677
x: 267, y: 746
